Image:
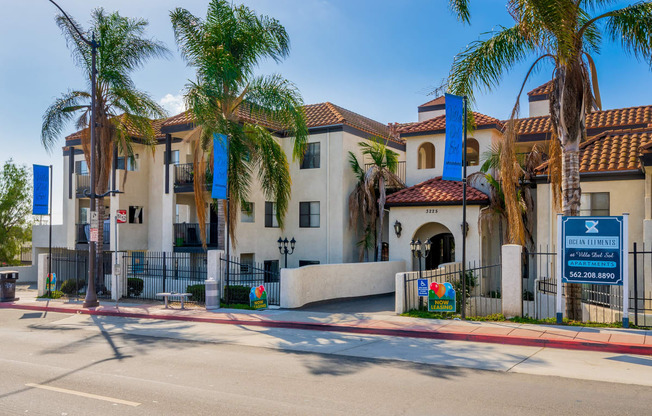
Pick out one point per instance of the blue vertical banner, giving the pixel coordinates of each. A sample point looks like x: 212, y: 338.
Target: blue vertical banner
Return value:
x: 220, y: 165
x: 454, y: 138
x: 40, y: 203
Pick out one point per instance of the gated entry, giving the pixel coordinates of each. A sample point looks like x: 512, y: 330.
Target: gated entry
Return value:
x: 243, y: 275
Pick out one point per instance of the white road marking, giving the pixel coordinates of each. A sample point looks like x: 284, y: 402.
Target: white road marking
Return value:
x: 82, y: 394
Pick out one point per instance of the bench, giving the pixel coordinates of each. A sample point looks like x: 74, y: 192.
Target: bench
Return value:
x: 166, y: 295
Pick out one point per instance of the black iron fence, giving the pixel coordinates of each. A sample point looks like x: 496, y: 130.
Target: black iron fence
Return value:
x: 149, y: 273
x: 483, y: 284
x: 188, y: 235
x: 241, y: 275
x: 183, y: 174
x: 599, y: 303
x: 70, y: 268
x: 400, y: 169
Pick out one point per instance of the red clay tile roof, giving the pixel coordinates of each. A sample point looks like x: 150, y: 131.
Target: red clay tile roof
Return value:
x: 620, y: 117
x: 436, y: 101
x: 612, y: 151
x: 436, y: 191
x: 317, y: 115
x: 439, y: 124
x: 542, y: 89
x: 156, y: 124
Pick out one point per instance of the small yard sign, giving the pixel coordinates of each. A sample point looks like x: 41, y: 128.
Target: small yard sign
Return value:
x: 121, y: 216
x: 441, y: 297
x: 422, y: 285
x: 51, y: 281
x: 258, y: 297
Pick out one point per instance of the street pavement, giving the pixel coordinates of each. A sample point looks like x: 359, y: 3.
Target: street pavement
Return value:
x: 75, y: 364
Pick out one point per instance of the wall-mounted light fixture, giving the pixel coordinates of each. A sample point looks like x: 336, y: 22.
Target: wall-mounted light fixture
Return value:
x: 398, y: 228
x: 465, y: 228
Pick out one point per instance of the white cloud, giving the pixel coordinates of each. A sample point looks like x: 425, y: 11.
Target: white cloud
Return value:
x: 173, y: 104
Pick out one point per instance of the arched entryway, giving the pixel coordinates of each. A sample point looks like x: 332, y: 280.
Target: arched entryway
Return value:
x: 442, y: 250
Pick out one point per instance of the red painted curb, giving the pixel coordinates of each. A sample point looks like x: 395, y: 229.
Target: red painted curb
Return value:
x: 620, y: 348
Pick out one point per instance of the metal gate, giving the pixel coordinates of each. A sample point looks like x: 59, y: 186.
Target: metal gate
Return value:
x: 240, y: 276
x: 149, y: 273
x: 72, y: 265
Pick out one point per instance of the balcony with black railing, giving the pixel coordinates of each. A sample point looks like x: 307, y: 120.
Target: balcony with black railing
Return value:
x: 187, y: 237
x: 400, y: 169
x: 83, y: 185
x: 184, y: 177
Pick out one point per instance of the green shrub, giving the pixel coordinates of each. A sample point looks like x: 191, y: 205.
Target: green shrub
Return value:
x: 198, y: 292
x: 135, y: 286
x: 55, y: 294
x: 69, y: 287
x: 238, y: 294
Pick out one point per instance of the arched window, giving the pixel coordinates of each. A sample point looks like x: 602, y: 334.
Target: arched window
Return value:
x: 426, y: 156
x: 472, y: 152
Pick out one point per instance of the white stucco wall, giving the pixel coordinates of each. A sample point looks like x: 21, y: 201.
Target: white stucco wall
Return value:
x: 334, y: 281
x: 539, y: 108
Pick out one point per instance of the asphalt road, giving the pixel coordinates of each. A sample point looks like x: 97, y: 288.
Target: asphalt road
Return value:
x: 50, y: 368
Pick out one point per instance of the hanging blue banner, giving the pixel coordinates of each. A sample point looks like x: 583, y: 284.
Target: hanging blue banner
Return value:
x: 592, y: 250
x: 454, y: 138
x: 220, y: 165
x: 41, y: 190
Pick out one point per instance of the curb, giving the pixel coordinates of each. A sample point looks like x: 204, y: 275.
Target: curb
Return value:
x: 619, y: 348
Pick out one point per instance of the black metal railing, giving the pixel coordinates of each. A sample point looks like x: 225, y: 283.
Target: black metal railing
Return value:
x: 70, y: 268
x: 400, y: 169
x: 188, y: 235
x: 83, y: 185
x: 149, y: 273
x: 244, y: 275
x: 83, y: 233
x: 483, y: 285
x: 183, y: 174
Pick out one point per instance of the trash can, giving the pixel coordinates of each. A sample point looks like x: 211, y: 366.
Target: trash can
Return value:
x: 8, y: 286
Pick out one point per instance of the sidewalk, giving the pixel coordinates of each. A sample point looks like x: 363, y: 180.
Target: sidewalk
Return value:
x: 625, y: 341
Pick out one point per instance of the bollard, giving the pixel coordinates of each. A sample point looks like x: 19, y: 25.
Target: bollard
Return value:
x: 212, y: 295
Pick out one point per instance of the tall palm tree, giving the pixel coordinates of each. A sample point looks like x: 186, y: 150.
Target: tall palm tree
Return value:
x: 228, y: 98
x: 121, y: 109
x: 565, y: 34
x: 368, y: 198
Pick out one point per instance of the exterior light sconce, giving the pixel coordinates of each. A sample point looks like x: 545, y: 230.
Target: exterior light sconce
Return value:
x: 465, y: 228
x: 398, y: 228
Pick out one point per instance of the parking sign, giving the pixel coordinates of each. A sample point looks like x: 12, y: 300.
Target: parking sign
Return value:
x: 422, y: 287
x: 121, y: 216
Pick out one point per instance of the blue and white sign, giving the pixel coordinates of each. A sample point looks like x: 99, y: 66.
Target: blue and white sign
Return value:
x: 454, y: 138
x: 220, y: 166
x: 422, y: 287
x: 40, y: 203
x: 592, y: 250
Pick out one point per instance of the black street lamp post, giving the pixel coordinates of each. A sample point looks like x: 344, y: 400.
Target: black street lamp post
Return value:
x: 283, y: 247
x: 420, y: 251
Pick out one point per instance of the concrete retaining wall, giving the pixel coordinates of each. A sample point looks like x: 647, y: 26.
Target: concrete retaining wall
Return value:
x: 27, y: 274
x: 333, y: 281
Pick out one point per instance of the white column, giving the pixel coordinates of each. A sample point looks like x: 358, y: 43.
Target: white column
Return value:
x: 399, y: 294
x: 512, y: 280
x: 42, y: 273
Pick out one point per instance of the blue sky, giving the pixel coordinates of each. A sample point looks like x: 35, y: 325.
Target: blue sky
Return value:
x: 378, y: 58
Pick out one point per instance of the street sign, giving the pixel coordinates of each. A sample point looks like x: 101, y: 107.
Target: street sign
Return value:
x: 95, y: 221
x: 422, y: 285
x: 592, y: 250
x: 121, y: 216
x: 94, y: 237
x: 117, y: 269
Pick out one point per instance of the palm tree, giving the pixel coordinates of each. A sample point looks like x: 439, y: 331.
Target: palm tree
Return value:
x: 227, y: 98
x: 367, y: 200
x: 564, y: 33
x: 122, y: 111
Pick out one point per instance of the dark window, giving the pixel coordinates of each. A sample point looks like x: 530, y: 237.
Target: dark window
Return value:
x: 270, y: 215
x: 312, y: 156
x: 309, y: 214
x: 594, y: 204
x: 132, y: 163
x: 174, y: 160
x: 81, y: 168
x: 271, y: 270
x: 307, y: 262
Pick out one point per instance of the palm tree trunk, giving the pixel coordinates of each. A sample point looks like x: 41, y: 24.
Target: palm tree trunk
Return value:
x: 381, y: 216
x: 571, y: 192
x: 99, y: 262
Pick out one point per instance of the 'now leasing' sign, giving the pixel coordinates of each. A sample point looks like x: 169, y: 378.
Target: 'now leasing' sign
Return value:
x: 592, y: 250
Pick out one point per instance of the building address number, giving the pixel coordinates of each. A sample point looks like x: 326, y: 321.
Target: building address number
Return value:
x: 431, y: 211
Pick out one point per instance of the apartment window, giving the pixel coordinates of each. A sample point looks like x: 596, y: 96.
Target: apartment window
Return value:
x: 309, y: 214
x: 247, y: 212
x: 270, y: 215
x: 174, y: 157
x: 84, y: 215
x: 311, y: 157
x: 426, y: 157
x: 81, y: 167
x: 594, y: 204
x: 307, y: 262
x: 132, y: 163
x: 472, y: 152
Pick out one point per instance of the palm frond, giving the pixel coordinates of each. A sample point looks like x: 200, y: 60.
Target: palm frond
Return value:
x: 632, y: 26
x: 59, y: 114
